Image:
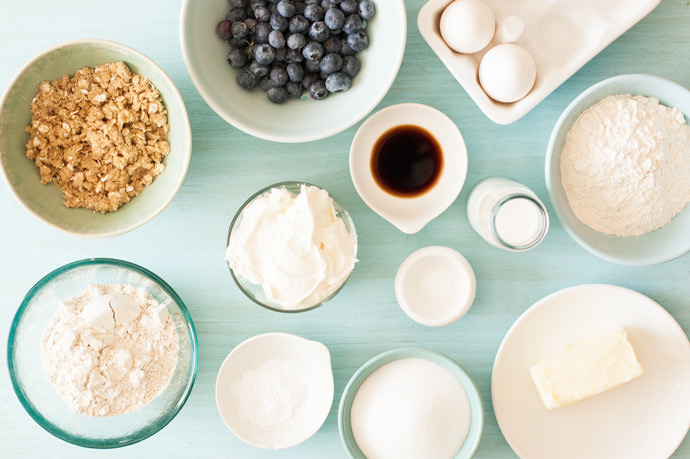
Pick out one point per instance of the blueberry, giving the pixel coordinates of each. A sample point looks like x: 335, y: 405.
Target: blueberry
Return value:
x: 334, y: 18
x: 296, y: 41
x: 346, y: 50
x: 366, y: 9
x: 314, y: 13
x: 331, y: 63
x: 239, y: 30
x: 353, y: 23
x: 247, y: 80
x: 278, y: 22
x: 279, y: 76
x: 281, y: 54
x: 251, y: 24
x: 313, y: 66
x: 262, y: 13
x: 235, y: 43
x: 298, y: 24
x: 308, y: 79
x: 318, y: 90
x: 358, y: 40
x: 264, y: 54
x: 286, y: 8
x: 293, y: 56
x: 277, y: 95
x: 263, y: 29
x: 237, y: 58
x: 338, y: 82
x: 312, y: 51
x: 265, y: 84
x: 319, y: 31
x: 333, y: 45
x: 223, y: 30
x: 294, y: 90
x: 295, y: 72
x: 238, y: 3
x: 351, y: 66
x: 237, y: 14
x: 260, y: 70
x: 349, y: 6
x: 276, y: 39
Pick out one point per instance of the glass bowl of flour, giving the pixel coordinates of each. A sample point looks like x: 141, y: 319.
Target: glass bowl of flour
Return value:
x: 618, y: 169
x: 102, y: 353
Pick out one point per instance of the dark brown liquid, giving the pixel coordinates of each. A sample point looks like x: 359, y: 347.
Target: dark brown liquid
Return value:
x: 406, y: 161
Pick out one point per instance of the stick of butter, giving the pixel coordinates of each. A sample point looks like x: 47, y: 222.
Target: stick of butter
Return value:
x: 586, y: 368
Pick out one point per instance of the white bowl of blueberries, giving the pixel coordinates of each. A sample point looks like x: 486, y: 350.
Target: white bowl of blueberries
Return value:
x: 293, y: 70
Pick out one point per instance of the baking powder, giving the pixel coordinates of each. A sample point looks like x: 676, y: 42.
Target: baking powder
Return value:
x: 110, y: 350
x: 625, y: 165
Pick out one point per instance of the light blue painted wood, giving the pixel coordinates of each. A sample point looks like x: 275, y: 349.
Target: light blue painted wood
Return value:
x: 185, y: 243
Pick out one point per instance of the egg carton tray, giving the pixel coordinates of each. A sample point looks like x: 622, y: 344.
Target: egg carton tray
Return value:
x: 562, y: 36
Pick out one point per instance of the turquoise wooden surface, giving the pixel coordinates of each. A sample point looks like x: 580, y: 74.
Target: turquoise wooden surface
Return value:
x: 185, y: 244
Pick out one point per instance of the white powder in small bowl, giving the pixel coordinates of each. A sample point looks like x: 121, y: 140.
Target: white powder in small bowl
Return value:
x: 409, y: 409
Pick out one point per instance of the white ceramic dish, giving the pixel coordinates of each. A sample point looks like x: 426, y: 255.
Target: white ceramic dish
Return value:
x: 295, y: 121
x: 561, y: 35
x: 659, y: 246
x: 308, y: 416
x: 409, y: 215
x: 644, y: 418
x: 435, y: 286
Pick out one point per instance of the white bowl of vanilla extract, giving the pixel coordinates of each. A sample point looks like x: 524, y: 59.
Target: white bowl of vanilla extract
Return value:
x: 408, y: 162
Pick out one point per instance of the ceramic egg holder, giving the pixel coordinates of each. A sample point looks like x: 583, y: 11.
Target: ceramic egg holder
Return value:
x: 562, y: 36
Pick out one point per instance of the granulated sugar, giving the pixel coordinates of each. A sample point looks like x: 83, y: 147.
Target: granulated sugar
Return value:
x: 409, y: 409
x: 110, y: 350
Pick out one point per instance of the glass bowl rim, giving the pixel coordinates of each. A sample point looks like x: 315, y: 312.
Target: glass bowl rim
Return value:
x: 140, y: 434
x: 286, y: 184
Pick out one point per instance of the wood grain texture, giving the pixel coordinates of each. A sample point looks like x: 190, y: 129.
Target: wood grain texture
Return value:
x: 185, y: 244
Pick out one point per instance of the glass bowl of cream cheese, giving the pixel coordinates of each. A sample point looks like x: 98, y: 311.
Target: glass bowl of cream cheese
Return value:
x: 291, y: 247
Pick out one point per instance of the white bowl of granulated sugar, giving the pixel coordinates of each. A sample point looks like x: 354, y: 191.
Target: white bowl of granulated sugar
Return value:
x: 618, y: 169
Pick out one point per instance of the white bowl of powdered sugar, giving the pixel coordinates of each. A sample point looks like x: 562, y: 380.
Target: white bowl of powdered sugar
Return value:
x: 618, y: 169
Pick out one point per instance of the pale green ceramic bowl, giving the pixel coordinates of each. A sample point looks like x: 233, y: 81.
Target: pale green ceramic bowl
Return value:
x: 659, y: 246
x: 45, y: 201
x: 476, y: 407
x: 296, y: 120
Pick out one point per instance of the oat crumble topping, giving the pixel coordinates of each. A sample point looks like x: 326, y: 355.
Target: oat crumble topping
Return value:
x: 100, y: 136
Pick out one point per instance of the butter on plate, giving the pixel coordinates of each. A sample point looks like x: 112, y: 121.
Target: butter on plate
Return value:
x: 586, y: 368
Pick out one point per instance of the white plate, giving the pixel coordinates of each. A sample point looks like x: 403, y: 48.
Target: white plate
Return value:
x: 644, y: 418
x: 561, y: 36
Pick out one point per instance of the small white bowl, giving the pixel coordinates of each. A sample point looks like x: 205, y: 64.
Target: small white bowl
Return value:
x: 306, y: 120
x: 311, y: 356
x: 435, y: 286
x: 409, y: 215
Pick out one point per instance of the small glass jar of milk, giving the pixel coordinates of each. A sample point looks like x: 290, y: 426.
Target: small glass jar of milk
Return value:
x: 507, y: 214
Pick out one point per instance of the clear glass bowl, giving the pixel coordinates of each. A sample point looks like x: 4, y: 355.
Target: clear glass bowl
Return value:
x: 39, y: 397
x: 255, y: 292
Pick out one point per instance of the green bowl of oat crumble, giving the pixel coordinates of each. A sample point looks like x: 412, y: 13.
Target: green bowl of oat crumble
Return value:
x: 94, y: 138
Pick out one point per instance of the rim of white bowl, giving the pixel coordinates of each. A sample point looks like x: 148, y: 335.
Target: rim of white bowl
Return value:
x: 558, y: 205
x: 459, y: 307
x: 220, y: 111
x: 187, y: 149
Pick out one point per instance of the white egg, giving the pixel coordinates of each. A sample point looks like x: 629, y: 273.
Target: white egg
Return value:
x: 507, y: 73
x: 467, y: 26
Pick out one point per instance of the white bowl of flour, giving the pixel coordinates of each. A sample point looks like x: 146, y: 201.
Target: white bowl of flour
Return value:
x: 618, y: 171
